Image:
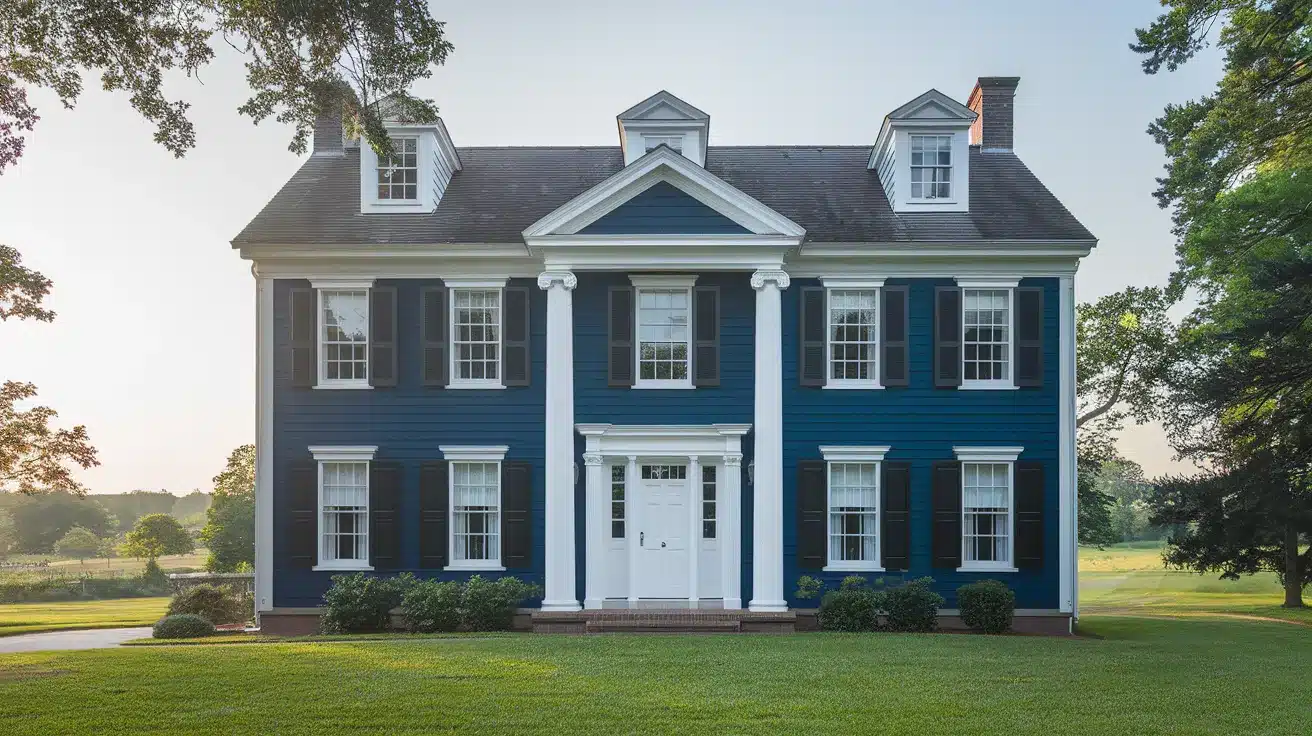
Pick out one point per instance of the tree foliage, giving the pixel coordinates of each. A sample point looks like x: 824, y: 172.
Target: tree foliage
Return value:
x: 41, y: 520
x: 301, y: 57
x: 21, y: 288
x: 229, y: 532
x: 78, y: 542
x: 156, y: 535
x: 8, y: 534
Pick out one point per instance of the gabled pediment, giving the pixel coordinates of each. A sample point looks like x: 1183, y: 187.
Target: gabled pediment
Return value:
x: 933, y: 105
x: 663, y: 106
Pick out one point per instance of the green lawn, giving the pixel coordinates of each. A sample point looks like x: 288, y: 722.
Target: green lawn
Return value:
x: 27, y: 618
x: 113, y: 565
x: 1143, y: 676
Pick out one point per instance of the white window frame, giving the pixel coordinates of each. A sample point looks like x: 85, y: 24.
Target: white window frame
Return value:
x: 855, y: 455
x: 454, y: 285
x: 660, y: 283
x: 713, y: 504
x: 990, y: 456
x: 341, y: 454
x: 491, y: 454
x: 320, y: 354
x: 951, y: 167
x: 398, y: 141
x: 835, y: 283
x: 651, y: 142
x: 1009, y: 286
x: 622, y: 486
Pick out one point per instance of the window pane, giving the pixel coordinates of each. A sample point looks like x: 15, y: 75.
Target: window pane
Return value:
x: 853, y: 512
x: 617, y: 501
x: 663, y: 334
x: 344, y: 511
x: 852, y: 334
x: 986, y: 512
x: 986, y: 326
x: 344, y: 335
x: 476, y: 507
x: 708, y: 502
x: 398, y: 175
x: 476, y: 325
x: 931, y: 166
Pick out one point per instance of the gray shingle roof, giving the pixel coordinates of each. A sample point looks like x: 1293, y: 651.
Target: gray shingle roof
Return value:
x: 826, y: 189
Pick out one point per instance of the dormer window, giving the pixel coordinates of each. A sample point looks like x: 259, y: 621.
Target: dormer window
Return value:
x: 673, y: 141
x: 398, y: 174
x: 931, y: 167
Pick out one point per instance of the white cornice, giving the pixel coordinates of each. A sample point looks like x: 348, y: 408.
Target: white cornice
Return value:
x: 663, y: 281
x: 987, y: 454
x: 343, y: 453
x: 485, y: 453
x: 854, y: 453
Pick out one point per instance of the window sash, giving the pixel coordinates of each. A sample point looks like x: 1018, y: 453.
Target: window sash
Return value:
x: 617, y: 494
x: 931, y: 167
x: 852, y: 336
x: 708, y: 501
x: 986, y: 514
x: 853, y: 514
x: 344, y: 513
x: 398, y: 175
x: 343, y: 336
x: 476, y: 336
x: 986, y: 336
x: 476, y: 513
x: 664, y: 339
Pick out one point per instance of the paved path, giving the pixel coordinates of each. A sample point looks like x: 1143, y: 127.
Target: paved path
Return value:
x: 91, y: 639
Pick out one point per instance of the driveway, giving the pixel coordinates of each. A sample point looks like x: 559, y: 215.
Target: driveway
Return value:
x: 91, y: 639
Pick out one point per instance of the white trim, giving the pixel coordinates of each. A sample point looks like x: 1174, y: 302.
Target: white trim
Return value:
x: 344, y: 566
x: 643, y: 283
x: 471, y: 567
x: 854, y: 453
x: 474, y: 282
x: 453, y: 286
x: 343, y: 284
x: 455, y: 565
x: 1067, y: 464
x: 320, y: 287
x: 767, y: 411
x: 559, y: 576
x: 979, y: 282
x: 855, y: 456
x: 990, y: 384
x: 858, y: 284
x: 852, y: 282
x: 662, y: 281
x: 343, y: 453
x: 352, y: 385
x: 852, y: 566
x: 264, y: 351
x: 968, y: 454
x: 473, y: 453
x: 986, y: 567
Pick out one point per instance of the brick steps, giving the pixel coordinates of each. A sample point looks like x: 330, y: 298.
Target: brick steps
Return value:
x: 662, y: 621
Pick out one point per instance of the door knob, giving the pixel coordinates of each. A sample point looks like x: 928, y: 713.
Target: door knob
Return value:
x: 641, y: 537
x: 662, y: 544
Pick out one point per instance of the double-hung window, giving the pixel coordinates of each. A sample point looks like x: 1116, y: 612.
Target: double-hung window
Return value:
x: 986, y: 346
x: 617, y: 501
x: 475, y: 477
x: 931, y: 167
x: 343, y: 337
x: 853, y: 507
x: 476, y: 334
x: 343, y: 523
x: 664, y: 318
x: 398, y: 174
x: 852, y: 333
x: 708, y: 502
x: 987, y: 507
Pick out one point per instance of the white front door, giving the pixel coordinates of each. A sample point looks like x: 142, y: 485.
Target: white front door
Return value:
x: 662, y: 531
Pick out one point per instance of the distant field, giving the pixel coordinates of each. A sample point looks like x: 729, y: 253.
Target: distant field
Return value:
x: 120, y: 565
x: 27, y: 618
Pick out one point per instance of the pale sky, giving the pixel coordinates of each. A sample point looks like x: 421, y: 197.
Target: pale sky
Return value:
x: 154, y: 349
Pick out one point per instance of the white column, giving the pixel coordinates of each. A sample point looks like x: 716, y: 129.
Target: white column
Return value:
x: 731, y: 537
x: 694, y: 528
x: 631, y: 530
x: 1068, y: 559
x: 768, y: 488
x: 560, y: 580
x: 597, y: 503
x: 263, y: 444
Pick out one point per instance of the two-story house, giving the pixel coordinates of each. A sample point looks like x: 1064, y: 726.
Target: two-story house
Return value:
x: 666, y: 374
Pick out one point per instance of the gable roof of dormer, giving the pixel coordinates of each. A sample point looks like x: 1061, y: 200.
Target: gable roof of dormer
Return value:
x: 933, y: 108
x: 661, y: 118
x: 651, y: 109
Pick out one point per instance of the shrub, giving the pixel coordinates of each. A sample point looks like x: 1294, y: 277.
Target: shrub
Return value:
x: 912, y: 606
x: 430, y: 606
x: 218, y: 605
x: 489, y: 605
x: 808, y: 587
x: 987, y: 606
x: 851, y: 608
x: 182, y: 626
x: 153, y: 578
x: 362, y: 603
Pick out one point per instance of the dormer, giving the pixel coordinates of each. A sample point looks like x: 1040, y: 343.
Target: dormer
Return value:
x: 922, y: 155
x: 664, y: 119
x: 415, y: 176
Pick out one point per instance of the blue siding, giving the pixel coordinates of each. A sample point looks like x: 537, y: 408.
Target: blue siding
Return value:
x: 921, y: 424
x: 407, y: 423
x: 663, y: 209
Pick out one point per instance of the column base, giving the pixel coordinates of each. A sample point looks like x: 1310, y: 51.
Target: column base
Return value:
x: 592, y: 603
x: 768, y: 606
x: 560, y: 606
x: 733, y: 604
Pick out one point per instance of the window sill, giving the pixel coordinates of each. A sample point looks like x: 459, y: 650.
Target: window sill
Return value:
x: 855, y: 385
x: 342, y: 386
x: 988, y: 386
x: 473, y: 567
x: 851, y: 568
x: 663, y: 385
x: 985, y: 568
x: 932, y: 201
x: 353, y: 567
x: 476, y: 385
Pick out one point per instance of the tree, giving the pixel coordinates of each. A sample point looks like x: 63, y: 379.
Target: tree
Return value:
x: 8, y: 534
x: 157, y: 535
x: 301, y: 58
x: 229, y: 532
x: 78, y: 542
x: 41, y: 520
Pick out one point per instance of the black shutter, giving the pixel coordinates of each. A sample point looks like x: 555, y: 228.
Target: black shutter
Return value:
x: 382, y: 336
x: 384, y: 513
x: 1029, y: 515
x: 516, y: 342
x: 896, y: 512
x: 619, y: 354
x: 947, y: 336
x: 1029, y: 336
x: 812, y: 505
x: 946, y: 498
x: 894, y: 363
x: 516, y: 515
x: 706, y: 336
x: 811, y: 364
x: 302, y: 523
x: 432, y: 321
x: 304, y: 327
x: 434, y: 509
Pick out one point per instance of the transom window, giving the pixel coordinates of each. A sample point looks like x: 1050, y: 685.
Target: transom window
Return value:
x: 853, y: 320
x: 476, y: 336
x: 476, y: 513
x: 617, y: 501
x: 931, y: 167
x: 986, y: 514
x: 398, y: 174
x: 343, y: 513
x: 664, y: 316
x: 664, y: 472
x: 708, y: 502
x: 853, y: 515
x: 344, y: 336
x: 986, y: 344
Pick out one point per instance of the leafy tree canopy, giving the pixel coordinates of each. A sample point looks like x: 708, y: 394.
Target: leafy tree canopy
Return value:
x: 41, y: 520
x: 229, y: 531
x: 78, y: 542
x: 156, y: 535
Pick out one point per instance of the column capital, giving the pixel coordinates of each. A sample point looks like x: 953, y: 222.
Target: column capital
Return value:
x: 565, y: 279
x: 766, y: 277
x: 733, y: 460
x: 592, y: 458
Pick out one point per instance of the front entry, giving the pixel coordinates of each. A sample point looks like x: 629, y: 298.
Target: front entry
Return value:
x: 662, y: 531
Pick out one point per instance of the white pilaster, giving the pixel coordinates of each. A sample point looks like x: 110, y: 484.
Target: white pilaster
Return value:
x: 767, y: 490
x: 694, y: 528
x: 263, y: 444
x: 1068, y: 559
x: 631, y: 525
x: 731, y: 538
x: 560, y: 580
x: 597, y: 503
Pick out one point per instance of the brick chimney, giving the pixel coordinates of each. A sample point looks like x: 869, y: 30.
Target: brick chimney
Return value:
x: 993, y: 99
x: 329, y: 139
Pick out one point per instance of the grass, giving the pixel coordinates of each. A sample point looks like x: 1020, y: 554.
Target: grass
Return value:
x: 1142, y: 676
x: 112, y: 566
x: 30, y: 618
